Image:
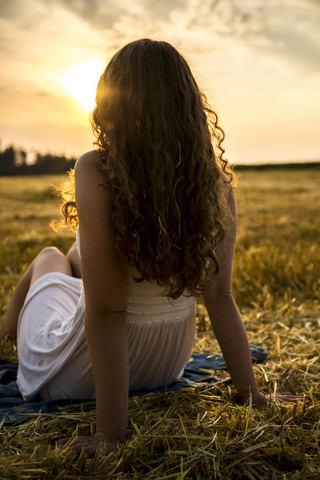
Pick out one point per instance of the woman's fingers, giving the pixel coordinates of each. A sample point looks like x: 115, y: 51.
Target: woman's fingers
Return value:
x: 290, y: 397
x: 87, y: 444
x: 263, y: 400
x: 63, y: 441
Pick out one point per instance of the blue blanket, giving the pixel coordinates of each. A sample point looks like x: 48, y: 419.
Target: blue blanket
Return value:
x: 199, y: 372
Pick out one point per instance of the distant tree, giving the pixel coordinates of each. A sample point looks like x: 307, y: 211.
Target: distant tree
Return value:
x: 50, y: 163
x: 20, y: 157
x: 14, y: 161
x: 7, y: 161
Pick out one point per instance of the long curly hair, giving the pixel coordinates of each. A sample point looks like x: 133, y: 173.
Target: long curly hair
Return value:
x: 160, y: 156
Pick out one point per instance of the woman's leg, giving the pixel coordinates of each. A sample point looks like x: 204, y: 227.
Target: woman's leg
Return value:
x: 50, y: 259
x: 74, y: 261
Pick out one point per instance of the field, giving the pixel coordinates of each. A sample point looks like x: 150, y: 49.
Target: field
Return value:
x: 197, y: 435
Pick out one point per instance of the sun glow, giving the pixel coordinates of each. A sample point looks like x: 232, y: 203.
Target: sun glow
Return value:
x: 80, y: 81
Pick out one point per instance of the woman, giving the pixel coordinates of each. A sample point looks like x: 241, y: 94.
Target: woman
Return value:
x: 156, y: 228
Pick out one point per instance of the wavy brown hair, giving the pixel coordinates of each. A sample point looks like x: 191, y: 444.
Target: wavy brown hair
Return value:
x: 161, y: 159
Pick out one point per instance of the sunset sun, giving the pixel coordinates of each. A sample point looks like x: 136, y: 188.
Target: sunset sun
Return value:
x: 80, y: 81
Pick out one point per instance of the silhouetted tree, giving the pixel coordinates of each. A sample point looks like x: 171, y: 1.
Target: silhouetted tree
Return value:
x: 7, y: 161
x: 15, y: 162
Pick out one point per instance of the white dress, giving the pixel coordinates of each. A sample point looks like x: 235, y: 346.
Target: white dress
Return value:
x: 53, y: 354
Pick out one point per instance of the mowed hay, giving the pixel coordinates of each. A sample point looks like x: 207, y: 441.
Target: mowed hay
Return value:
x: 201, y: 433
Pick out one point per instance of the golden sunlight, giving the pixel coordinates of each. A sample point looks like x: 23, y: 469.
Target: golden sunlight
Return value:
x: 80, y: 81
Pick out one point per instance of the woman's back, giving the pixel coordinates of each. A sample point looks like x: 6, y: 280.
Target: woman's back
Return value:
x: 145, y: 301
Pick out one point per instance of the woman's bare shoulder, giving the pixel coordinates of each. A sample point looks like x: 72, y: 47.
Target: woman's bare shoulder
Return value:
x: 89, y: 192
x: 86, y: 161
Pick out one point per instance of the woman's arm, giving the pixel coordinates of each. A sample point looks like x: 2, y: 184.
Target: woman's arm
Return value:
x: 74, y: 261
x: 104, y: 278
x: 225, y: 318
x: 228, y: 326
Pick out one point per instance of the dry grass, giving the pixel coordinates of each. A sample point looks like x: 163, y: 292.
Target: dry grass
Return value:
x: 198, y: 434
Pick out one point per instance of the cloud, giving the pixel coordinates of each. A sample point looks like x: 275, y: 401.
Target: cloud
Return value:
x: 292, y: 31
x: 99, y: 14
x: 287, y: 29
x: 259, y: 56
x: 103, y: 14
x: 9, y: 9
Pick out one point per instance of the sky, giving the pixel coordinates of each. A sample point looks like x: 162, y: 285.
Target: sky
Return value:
x: 258, y: 61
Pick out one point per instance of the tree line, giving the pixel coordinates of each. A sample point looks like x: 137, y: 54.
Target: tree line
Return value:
x: 17, y: 161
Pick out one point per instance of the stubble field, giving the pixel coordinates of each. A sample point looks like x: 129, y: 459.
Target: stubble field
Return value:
x: 197, y: 434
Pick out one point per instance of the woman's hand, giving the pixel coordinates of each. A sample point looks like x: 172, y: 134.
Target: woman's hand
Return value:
x: 262, y: 400
x: 90, y: 444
